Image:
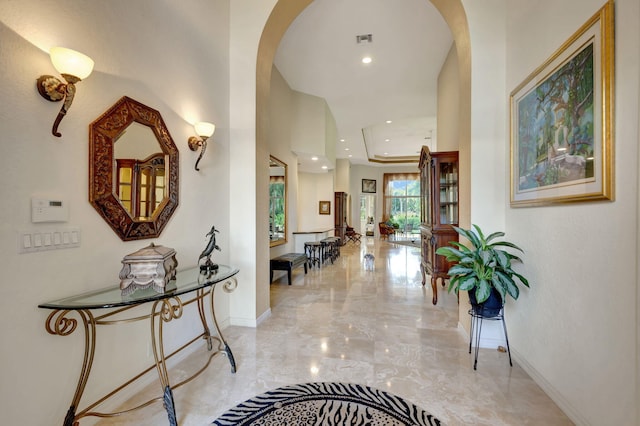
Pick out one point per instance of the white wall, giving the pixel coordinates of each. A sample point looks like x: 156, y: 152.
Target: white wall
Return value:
x: 308, y: 124
x: 315, y: 187
x: 330, y: 135
x: 250, y: 250
x: 156, y: 67
x: 279, y: 145
x: 488, y: 118
x: 298, y: 121
x: 342, y: 175
x: 448, y: 104
x: 313, y: 128
x: 575, y: 330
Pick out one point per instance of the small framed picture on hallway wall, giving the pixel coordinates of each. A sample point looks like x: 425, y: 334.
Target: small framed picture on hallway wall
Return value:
x: 325, y: 207
x: 369, y: 186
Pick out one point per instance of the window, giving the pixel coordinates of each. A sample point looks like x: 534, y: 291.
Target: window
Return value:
x: 402, y: 201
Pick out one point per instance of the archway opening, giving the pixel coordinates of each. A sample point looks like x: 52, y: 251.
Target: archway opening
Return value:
x: 281, y: 17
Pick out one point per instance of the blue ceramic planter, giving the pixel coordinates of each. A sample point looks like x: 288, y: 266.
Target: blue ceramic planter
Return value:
x: 489, y: 308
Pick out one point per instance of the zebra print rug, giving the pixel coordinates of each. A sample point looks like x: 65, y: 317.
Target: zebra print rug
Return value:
x: 326, y: 404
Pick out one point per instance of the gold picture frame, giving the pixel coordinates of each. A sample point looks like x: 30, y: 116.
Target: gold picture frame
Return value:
x: 562, y: 121
x: 325, y: 207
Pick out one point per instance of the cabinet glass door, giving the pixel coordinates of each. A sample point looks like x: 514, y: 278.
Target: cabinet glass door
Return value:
x: 448, y: 199
x: 425, y: 191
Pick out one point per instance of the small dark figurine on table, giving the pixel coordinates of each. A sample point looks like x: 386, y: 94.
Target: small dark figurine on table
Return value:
x: 209, y: 266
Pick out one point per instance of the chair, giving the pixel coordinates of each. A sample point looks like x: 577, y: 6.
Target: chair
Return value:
x: 386, y: 230
x: 313, y: 250
x: 352, y: 235
x: 332, y: 248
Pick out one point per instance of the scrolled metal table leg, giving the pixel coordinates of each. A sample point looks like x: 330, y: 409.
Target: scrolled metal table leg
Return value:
x: 203, y: 318
x: 169, y: 309
x: 70, y: 417
x: 60, y: 325
x: 228, y: 286
x: 170, y: 406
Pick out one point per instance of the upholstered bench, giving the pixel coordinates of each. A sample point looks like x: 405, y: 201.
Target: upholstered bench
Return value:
x: 287, y: 262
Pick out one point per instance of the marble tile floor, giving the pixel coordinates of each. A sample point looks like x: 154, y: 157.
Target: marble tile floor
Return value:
x: 378, y: 328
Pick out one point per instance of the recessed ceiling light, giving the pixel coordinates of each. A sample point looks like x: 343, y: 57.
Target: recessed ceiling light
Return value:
x: 324, y: 167
x: 341, y: 140
x: 387, y: 140
x: 350, y: 155
x: 366, y: 60
x: 314, y: 158
x: 388, y: 121
x: 346, y: 149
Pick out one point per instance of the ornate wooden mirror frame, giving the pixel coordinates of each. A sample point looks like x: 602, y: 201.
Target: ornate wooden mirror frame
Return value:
x: 103, y: 134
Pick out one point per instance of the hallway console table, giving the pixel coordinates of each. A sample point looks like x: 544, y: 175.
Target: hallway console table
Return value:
x: 108, y: 307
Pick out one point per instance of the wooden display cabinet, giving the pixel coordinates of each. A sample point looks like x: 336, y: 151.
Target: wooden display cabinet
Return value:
x: 438, y: 212
x: 340, y: 216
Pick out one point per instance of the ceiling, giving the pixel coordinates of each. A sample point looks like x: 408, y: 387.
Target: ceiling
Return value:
x: 320, y: 55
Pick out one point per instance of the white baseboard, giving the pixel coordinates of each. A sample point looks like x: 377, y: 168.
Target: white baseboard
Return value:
x: 492, y: 335
x: 551, y: 391
x: 248, y: 322
x: 263, y: 317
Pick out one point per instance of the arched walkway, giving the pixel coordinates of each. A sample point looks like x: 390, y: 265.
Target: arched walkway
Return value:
x: 286, y: 11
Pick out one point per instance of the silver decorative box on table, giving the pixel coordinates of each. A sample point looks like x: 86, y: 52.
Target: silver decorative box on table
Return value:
x: 152, y: 266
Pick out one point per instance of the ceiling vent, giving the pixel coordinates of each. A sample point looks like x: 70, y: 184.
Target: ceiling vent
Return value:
x: 364, y: 38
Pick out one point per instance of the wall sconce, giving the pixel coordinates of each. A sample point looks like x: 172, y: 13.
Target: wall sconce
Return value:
x: 73, y: 66
x: 204, y: 132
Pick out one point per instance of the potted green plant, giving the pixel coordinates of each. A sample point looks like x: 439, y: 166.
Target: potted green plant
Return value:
x: 483, y: 269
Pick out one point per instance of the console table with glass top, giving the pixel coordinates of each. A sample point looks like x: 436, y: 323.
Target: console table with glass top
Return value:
x: 192, y: 285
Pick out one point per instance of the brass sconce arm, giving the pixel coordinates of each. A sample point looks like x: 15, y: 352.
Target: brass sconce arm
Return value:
x: 204, y: 131
x: 73, y: 66
x: 54, y: 90
x: 196, y: 142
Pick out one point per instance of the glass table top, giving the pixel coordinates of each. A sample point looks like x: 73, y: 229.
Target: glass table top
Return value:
x: 111, y: 297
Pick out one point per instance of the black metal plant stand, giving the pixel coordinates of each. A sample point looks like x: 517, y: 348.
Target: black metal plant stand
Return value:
x: 478, y: 314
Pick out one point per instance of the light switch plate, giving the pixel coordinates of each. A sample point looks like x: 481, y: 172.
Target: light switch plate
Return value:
x: 30, y: 241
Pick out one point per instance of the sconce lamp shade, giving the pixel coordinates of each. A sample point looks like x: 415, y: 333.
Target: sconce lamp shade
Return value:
x: 68, y: 61
x: 204, y: 129
x: 74, y: 66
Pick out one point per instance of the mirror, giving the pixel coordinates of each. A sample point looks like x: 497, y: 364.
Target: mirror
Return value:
x: 133, y: 170
x: 139, y: 171
x: 277, y: 202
